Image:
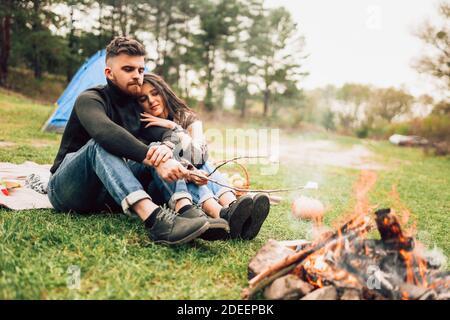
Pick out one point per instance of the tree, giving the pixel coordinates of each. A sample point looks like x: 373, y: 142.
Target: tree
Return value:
x: 114, y: 18
x: 75, y: 54
x: 239, y: 82
x: 5, y: 37
x: 327, y: 120
x: 355, y: 97
x: 170, y: 24
x: 317, y: 107
x: 120, y: 17
x: 38, y: 32
x: 276, y: 50
x: 9, y: 10
x: 33, y: 42
x: 442, y: 108
x: 237, y: 76
x: 436, y: 62
x: 217, y: 23
x: 389, y: 103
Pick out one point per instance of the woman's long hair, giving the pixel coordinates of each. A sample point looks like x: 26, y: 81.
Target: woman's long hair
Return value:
x: 176, y: 107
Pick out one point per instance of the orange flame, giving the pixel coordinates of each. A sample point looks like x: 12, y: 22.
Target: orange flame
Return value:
x: 411, y: 261
x: 405, y: 213
x: 318, y: 270
x: 363, y: 185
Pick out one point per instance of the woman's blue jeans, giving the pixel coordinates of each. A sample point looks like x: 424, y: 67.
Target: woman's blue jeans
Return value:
x: 172, y: 192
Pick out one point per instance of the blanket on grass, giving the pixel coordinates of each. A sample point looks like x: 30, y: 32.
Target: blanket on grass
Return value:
x: 24, y: 186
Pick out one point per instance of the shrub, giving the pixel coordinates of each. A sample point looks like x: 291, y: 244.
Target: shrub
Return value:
x: 362, y: 132
x: 46, y: 90
x: 436, y: 128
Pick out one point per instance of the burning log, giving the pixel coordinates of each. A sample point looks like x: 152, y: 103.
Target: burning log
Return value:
x: 295, y: 245
x: 354, y: 223
x: 269, y: 254
x: 286, y: 264
x: 321, y: 267
x: 347, y: 265
x: 391, y: 233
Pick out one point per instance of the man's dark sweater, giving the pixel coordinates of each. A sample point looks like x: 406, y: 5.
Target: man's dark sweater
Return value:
x: 112, y: 119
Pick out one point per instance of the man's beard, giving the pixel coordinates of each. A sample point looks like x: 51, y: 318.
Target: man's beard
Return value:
x: 132, y: 88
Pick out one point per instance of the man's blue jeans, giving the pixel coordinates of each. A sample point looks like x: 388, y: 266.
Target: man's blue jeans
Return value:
x: 172, y: 192
x: 92, y: 179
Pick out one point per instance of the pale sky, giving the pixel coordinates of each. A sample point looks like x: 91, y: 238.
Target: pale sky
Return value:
x: 364, y: 41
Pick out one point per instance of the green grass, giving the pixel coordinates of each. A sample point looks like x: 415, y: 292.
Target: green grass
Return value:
x: 118, y: 261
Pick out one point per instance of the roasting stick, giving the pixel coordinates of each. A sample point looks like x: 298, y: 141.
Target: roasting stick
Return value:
x: 309, y: 185
x: 224, y: 162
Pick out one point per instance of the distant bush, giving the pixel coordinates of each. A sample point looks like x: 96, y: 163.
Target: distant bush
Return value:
x: 47, y: 90
x: 362, y: 132
x: 380, y: 132
x: 436, y: 128
x: 433, y: 127
x: 405, y: 128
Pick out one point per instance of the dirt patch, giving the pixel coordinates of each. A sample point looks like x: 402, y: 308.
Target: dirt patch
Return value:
x: 41, y: 143
x: 326, y: 152
x: 299, y: 151
x: 7, y: 144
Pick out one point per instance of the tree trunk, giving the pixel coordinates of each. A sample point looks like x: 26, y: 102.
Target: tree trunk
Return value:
x: 113, y: 22
x: 70, y: 65
x: 35, y: 28
x: 178, y: 76
x: 186, y: 84
x: 210, y: 64
x: 266, y: 90
x: 266, y: 102
x: 5, y: 47
x: 123, y: 18
x: 244, y: 94
x: 243, y: 107
x: 165, y: 64
x: 100, y: 22
x: 158, y: 36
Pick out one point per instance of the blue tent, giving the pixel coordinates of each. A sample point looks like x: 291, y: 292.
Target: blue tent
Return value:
x: 90, y: 74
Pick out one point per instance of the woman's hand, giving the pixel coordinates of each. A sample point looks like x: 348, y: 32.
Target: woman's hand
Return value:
x: 199, y: 180
x: 171, y: 171
x: 155, y: 121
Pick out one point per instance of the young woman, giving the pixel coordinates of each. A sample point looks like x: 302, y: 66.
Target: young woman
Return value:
x: 163, y: 108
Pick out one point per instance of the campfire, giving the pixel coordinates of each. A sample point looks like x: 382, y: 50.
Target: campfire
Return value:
x: 349, y: 264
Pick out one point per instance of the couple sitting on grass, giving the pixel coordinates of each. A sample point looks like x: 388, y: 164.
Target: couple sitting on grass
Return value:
x: 133, y: 139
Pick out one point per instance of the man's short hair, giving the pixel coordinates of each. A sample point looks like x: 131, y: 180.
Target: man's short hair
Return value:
x: 124, y: 45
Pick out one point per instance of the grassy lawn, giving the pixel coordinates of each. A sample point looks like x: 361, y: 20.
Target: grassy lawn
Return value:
x: 118, y: 261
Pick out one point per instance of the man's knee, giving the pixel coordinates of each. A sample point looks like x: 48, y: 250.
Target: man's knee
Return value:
x: 94, y: 149
x: 94, y: 146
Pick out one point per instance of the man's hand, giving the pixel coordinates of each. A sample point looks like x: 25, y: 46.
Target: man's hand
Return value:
x: 171, y: 171
x: 200, y: 177
x: 158, y: 154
